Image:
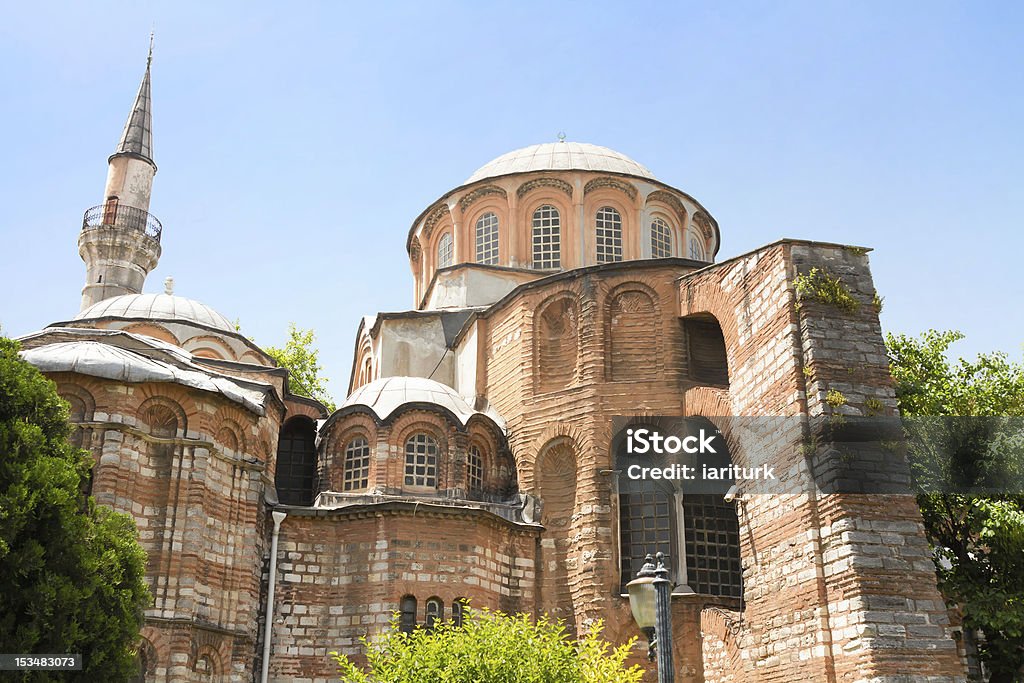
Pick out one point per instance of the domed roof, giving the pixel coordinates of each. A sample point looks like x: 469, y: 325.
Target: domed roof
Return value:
x: 560, y: 156
x: 157, y: 307
x: 386, y: 395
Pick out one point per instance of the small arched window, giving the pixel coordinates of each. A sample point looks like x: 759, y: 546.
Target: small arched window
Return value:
x: 444, y: 250
x: 661, y: 238
x: 697, y: 248
x: 609, y: 235
x: 547, y: 238
x: 487, y: 239
x: 474, y: 470
x: 421, y: 461
x: 407, y: 614
x: 458, y: 611
x: 434, y: 612
x: 357, y: 465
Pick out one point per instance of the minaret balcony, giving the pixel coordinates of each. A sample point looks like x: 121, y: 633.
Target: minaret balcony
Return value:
x: 117, y: 215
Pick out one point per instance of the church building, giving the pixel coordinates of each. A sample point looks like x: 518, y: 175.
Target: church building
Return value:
x: 560, y: 292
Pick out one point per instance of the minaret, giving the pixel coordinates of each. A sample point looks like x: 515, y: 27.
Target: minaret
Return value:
x: 120, y: 240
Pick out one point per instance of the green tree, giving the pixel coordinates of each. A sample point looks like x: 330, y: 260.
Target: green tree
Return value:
x: 964, y: 439
x: 490, y: 647
x: 71, y: 573
x: 301, y: 358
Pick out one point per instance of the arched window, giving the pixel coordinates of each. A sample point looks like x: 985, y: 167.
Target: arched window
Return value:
x: 661, y: 238
x: 434, y: 612
x: 697, y: 248
x: 609, y: 235
x: 487, y: 239
x: 458, y: 610
x: 474, y: 470
x: 421, y: 461
x: 547, y: 238
x: 444, y: 250
x: 407, y: 614
x: 698, y: 532
x: 296, y: 462
x: 357, y: 465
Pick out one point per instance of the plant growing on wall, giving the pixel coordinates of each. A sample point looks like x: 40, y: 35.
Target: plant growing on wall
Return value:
x: 818, y: 285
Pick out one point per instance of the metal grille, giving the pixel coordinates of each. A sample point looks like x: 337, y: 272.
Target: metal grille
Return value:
x: 474, y: 470
x: 487, y: 239
x: 357, y: 465
x: 712, y: 546
x: 421, y: 461
x: 444, y: 250
x: 661, y: 239
x: 647, y: 525
x: 296, y: 462
x: 547, y: 238
x: 697, y: 249
x: 609, y: 235
x: 122, y: 216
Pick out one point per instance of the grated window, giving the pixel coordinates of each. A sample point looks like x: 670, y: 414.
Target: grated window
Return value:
x: 357, y: 465
x: 609, y: 235
x: 661, y: 239
x: 444, y: 250
x: 487, y: 239
x: 421, y: 461
x: 547, y: 238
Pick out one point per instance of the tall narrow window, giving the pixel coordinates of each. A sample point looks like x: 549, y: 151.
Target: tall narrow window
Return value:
x: 444, y: 250
x: 487, y: 239
x: 296, y: 462
x: 647, y: 525
x: 357, y: 465
x: 661, y: 238
x: 712, y: 546
x: 458, y: 611
x: 547, y: 238
x: 407, y: 614
x: 421, y: 461
x: 609, y: 235
x: 697, y: 248
x: 434, y: 612
x: 474, y: 470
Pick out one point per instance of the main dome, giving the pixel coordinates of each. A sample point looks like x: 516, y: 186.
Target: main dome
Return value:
x: 157, y: 307
x: 560, y: 156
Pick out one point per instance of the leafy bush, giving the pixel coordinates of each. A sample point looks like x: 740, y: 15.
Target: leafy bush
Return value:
x: 490, y: 647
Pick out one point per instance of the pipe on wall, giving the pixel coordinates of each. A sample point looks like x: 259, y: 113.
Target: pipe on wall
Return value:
x: 268, y: 620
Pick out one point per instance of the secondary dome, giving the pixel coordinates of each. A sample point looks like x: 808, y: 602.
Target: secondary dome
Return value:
x: 157, y: 307
x: 561, y: 156
x: 386, y: 395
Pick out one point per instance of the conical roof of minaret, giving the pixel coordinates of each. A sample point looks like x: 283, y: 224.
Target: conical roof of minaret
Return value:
x: 137, y: 137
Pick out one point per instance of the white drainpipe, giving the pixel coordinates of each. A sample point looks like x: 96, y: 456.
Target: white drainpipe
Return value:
x: 269, y: 617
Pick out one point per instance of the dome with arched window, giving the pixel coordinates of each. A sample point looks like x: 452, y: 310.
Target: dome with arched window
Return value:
x: 547, y: 208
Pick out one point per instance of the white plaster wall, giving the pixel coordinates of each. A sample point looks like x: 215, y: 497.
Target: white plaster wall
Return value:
x: 466, y: 365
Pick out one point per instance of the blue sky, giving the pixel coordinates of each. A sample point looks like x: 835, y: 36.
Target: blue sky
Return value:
x: 296, y: 142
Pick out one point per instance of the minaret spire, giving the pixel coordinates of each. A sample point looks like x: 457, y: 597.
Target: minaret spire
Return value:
x: 120, y: 239
x: 137, y: 136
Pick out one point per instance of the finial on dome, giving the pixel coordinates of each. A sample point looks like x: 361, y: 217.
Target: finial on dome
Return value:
x: 169, y: 286
x: 561, y: 136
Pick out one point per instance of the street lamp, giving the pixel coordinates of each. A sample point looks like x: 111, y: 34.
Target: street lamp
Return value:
x: 650, y: 602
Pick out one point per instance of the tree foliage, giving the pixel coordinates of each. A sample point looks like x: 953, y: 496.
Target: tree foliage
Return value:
x: 71, y: 573
x: 966, y: 449
x: 301, y: 358
x: 490, y: 647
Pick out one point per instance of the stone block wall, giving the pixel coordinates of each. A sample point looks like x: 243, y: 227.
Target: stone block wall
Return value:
x: 342, y: 574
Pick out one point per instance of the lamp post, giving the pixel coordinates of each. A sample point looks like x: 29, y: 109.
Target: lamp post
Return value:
x: 649, y: 599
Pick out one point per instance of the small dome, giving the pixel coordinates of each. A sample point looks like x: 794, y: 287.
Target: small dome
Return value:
x: 560, y: 156
x: 157, y: 307
x: 384, y: 396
